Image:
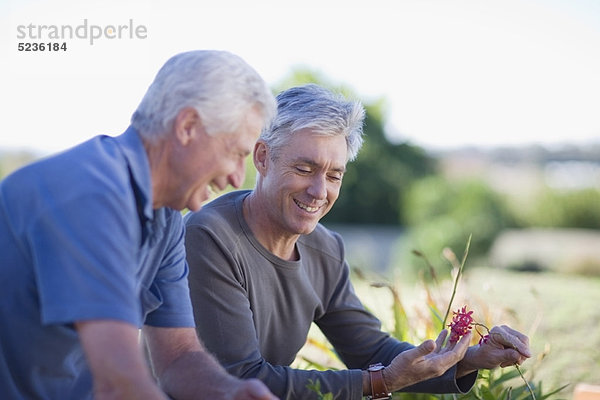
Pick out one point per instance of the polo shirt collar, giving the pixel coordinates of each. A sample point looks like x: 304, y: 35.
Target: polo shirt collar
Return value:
x: 133, y: 149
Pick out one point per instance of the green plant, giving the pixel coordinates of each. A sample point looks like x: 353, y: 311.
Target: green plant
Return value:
x: 316, y: 387
x: 561, y: 209
x: 491, y: 384
x: 441, y: 214
x: 505, y: 383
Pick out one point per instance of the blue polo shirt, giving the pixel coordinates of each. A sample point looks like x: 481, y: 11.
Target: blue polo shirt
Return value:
x: 79, y: 240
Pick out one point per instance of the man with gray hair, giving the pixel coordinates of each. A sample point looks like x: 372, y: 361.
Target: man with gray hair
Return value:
x: 92, y: 244
x: 262, y: 269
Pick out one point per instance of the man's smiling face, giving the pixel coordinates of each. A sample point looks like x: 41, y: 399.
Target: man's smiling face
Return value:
x: 303, y: 182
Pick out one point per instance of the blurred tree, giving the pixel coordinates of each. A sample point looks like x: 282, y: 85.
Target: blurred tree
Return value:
x: 374, y: 182
x: 443, y: 214
x: 563, y: 209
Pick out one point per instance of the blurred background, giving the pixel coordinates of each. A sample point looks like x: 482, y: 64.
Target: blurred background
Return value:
x: 482, y: 119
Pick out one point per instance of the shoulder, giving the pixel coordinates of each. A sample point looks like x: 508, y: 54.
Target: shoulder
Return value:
x: 93, y: 173
x: 221, y: 206
x: 215, y: 213
x: 324, y: 241
x: 92, y: 156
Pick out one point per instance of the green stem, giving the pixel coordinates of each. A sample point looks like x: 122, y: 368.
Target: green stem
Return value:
x: 516, y: 366
x: 459, y: 273
x: 526, y: 382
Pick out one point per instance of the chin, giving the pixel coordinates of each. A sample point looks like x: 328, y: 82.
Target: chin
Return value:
x: 307, y: 228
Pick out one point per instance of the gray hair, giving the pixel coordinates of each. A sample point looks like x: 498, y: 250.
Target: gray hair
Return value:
x: 316, y: 108
x: 219, y: 85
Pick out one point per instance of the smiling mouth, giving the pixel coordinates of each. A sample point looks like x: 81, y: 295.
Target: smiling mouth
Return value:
x: 306, y: 207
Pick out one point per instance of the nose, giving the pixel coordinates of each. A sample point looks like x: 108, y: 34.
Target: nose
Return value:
x: 318, y: 187
x: 236, y: 178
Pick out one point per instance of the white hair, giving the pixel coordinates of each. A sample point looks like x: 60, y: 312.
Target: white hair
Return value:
x: 314, y: 107
x: 219, y: 85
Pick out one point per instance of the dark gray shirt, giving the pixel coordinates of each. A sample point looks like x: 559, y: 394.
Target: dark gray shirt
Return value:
x: 253, y: 310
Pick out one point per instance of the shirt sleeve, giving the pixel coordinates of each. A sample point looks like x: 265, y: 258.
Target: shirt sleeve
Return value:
x: 169, y: 289
x: 224, y: 321
x: 83, y: 244
x: 359, y: 341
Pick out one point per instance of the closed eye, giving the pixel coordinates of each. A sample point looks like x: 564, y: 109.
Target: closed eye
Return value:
x: 304, y: 170
x: 335, y: 178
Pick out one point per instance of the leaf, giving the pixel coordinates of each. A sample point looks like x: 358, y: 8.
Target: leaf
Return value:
x: 505, y: 376
x: 314, y: 386
x: 552, y: 392
x: 400, y: 317
x: 436, y: 315
x: 487, y: 394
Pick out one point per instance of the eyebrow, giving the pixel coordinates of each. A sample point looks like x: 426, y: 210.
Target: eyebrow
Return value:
x: 312, y: 163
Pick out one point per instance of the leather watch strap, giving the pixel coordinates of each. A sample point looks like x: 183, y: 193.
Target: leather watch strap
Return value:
x: 378, y: 388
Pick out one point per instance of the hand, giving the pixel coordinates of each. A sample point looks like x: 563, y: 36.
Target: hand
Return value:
x: 504, y: 347
x: 429, y: 360
x: 187, y: 371
x: 252, y: 389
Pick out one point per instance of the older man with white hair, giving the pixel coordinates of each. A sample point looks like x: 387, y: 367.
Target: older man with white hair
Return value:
x: 92, y: 244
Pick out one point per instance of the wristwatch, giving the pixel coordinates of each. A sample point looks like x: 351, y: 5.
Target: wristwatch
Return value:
x: 378, y: 389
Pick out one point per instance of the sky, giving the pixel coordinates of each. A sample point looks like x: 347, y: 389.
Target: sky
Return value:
x: 451, y: 72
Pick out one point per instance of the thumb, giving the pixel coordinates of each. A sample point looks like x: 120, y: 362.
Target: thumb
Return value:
x: 521, y: 347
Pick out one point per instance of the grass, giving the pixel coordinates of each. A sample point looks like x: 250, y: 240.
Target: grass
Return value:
x: 560, y: 314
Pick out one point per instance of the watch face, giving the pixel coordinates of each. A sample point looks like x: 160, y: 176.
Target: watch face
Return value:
x: 376, y: 367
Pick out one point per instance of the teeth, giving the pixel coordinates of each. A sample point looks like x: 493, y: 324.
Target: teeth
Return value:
x: 307, y: 208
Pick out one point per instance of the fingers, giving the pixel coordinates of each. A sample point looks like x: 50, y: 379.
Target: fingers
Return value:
x: 512, y: 357
x: 452, y: 352
x: 425, y: 348
x: 439, y: 342
x: 508, y: 337
x: 521, y: 343
x: 424, y: 362
x: 256, y: 390
x: 462, y: 345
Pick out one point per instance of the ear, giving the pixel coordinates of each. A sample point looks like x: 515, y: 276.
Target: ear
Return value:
x: 260, y: 156
x: 186, y: 125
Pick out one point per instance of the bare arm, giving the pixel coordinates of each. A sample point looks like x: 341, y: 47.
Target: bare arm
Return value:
x: 185, y: 370
x: 116, y: 361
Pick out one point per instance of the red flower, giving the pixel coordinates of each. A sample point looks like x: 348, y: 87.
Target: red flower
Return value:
x: 484, y: 339
x: 461, y: 324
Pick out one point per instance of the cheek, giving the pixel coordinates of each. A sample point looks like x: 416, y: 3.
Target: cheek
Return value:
x: 217, y: 165
x: 228, y: 165
x: 333, y: 191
